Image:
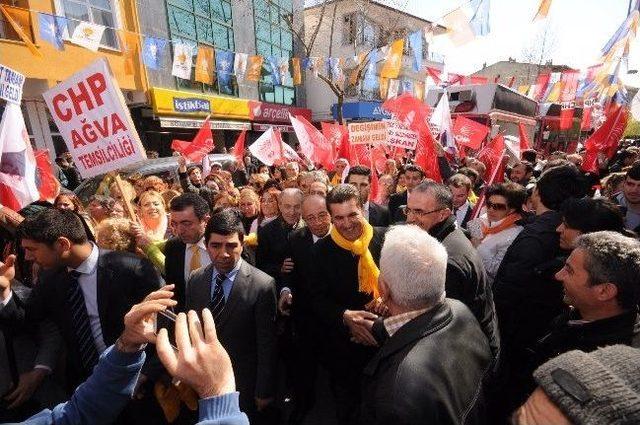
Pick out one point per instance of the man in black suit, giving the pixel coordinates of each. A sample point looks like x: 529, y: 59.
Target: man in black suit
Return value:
x: 295, y: 300
x: 84, y: 290
x: 243, y: 304
x: 339, y: 298
x: 186, y: 251
x: 430, y: 207
x: 413, y: 176
x: 360, y: 177
x: 272, y: 252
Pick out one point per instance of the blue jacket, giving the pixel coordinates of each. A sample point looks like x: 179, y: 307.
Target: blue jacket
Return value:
x: 101, y: 398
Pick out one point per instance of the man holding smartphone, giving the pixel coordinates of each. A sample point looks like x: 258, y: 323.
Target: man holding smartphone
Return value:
x: 242, y: 300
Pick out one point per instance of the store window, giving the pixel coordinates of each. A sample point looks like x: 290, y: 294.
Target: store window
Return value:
x: 207, y: 22
x: 101, y: 12
x: 274, y: 38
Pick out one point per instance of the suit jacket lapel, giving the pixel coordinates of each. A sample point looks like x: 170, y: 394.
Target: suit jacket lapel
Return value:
x: 241, y: 279
x: 104, y: 277
x: 202, y: 290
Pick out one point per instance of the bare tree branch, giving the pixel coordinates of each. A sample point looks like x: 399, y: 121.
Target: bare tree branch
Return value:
x: 333, y: 23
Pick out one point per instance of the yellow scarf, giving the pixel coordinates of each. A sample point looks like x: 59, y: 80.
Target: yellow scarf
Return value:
x: 368, y: 272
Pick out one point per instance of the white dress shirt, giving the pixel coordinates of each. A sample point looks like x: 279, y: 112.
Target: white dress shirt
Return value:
x: 365, y: 210
x: 88, y: 281
x: 188, y: 253
x: 462, y: 212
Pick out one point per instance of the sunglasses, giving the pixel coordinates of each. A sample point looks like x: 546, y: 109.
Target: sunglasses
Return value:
x: 496, y: 207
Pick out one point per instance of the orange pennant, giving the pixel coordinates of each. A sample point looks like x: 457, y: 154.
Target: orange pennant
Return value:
x: 20, y: 20
x: 254, y: 68
x: 130, y: 47
x: 297, y: 73
x: 204, y: 65
x: 392, y: 65
x: 355, y: 73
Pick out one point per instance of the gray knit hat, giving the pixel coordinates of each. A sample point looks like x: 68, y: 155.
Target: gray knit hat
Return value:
x: 601, y: 387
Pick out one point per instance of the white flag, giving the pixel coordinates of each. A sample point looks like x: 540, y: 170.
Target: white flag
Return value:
x: 17, y: 162
x: 240, y: 65
x: 441, y: 119
x: 269, y: 148
x: 182, y: 60
x: 88, y: 35
x: 394, y: 85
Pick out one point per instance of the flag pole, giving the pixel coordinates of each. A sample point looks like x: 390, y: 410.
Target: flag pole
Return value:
x: 127, y: 205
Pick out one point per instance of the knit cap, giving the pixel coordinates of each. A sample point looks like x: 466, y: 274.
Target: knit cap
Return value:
x: 601, y: 387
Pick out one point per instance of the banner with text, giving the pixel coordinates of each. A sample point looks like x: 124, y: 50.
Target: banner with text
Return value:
x: 93, y: 118
x: 400, y: 136
x: 367, y: 133
x: 11, y: 83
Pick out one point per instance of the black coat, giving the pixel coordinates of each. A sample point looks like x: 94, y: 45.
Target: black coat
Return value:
x: 273, y: 248
x: 395, y: 202
x: 431, y: 371
x: 300, y: 249
x: 526, y: 294
x: 123, y: 280
x: 379, y: 215
x: 334, y: 289
x: 174, y: 252
x: 467, y: 280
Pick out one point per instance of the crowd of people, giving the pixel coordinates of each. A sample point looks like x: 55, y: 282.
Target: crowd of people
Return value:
x: 462, y: 302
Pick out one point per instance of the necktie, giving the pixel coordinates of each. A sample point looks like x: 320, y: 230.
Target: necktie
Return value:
x: 217, y: 300
x: 80, y: 324
x: 195, y: 263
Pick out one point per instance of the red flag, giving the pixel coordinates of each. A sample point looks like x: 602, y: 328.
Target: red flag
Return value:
x: 361, y: 155
x: 374, y: 191
x: 426, y: 156
x: 469, y: 133
x: 456, y: 78
x: 541, y: 86
x: 491, y: 156
x: 345, y: 150
x: 201, y: 145
x: 605, y: 139
x: 434, y: 73
x: 585, y: 124
x: 313, y: 144
x: 334, y: 133
x: 497, y: 79
x: 49, y: 186
x: 566, y: 115
x: 478, y: 80
x: 511, y: 81
x: 569, y: 81
x: 378, y: 158
x: 524, y: 139
x: 410, y: 111
x: 238, y: 149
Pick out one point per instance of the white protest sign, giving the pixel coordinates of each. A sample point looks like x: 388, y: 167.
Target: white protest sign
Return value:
x: 399, y: 135
x: 367, y: 133
x: 270, y: 149
x: 11, y: 83
x: 94, y: 121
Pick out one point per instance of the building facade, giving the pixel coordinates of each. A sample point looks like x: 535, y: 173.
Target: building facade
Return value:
x: 351, y: 27
x: 163, y: 106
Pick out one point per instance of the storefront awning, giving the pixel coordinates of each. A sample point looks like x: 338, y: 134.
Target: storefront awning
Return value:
x: 170, y: 122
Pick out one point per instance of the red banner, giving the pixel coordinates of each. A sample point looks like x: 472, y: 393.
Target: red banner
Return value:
x: 469, y: 133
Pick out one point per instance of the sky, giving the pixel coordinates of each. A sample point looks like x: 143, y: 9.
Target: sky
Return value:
x: 581, y: 28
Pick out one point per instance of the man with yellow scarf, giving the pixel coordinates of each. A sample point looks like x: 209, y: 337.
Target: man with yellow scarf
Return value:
x: 344, y: 284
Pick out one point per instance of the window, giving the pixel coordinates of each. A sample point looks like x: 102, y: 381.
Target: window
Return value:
x: 207, y: 22
x: 274, y: 38
x: 360, y: 30
x: 101, y: 12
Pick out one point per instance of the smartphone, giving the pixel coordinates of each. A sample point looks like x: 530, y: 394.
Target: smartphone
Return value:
x: 167, y: 320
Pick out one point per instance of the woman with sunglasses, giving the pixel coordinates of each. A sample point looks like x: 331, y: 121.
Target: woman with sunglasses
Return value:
x: 494, y: 231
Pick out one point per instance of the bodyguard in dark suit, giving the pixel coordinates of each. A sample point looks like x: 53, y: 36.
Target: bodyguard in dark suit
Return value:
x: 243, y: 304
x: 360, y: 177
x: 84, y: 290
x: 295, y: 300
x: 339, y: 299
x: 430, y: 206
x: 413, y: 176
x: 186, y: 252
x: 271, y: 254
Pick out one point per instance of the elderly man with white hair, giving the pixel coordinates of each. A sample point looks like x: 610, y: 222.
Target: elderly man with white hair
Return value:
x: 433, y: 363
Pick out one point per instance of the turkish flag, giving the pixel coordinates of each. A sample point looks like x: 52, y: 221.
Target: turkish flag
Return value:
x: 238, y: 149
x: 313, y: 144
x: 201, y: 145
x: 524, y: 139
x: 469, y: 133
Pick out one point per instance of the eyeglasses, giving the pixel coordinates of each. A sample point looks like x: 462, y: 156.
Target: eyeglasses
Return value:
x: 496, y: 207
x: 406, y: 210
